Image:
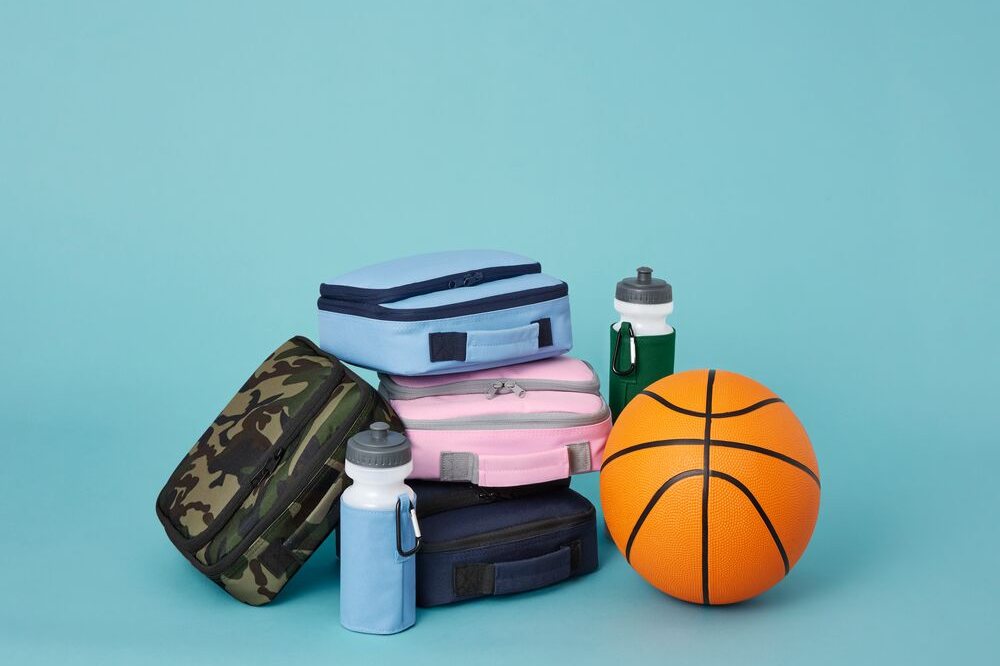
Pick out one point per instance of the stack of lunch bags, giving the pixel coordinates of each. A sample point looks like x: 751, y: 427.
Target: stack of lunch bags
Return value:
x: 470, y: 348
x: 470, y: 352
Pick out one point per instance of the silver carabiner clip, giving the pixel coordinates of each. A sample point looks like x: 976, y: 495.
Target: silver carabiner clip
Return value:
x: 399, y: 532
x: 618, y: 346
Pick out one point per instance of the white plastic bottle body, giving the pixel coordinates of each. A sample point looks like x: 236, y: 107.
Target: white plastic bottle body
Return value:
x: 377, y: 489
x: 645, y: 319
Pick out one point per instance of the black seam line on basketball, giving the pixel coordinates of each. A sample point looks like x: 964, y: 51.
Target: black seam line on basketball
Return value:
x: 669, y: 405
x: 706, y: 469
x: 652, y: 503
x: 743, y: 446
x: 760, y: 511
x: 650, y: 445
x: 721, y: 415
x: 746, y: 410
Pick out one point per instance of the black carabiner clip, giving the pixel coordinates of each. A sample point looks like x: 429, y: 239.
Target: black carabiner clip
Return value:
x: 399, y: 530
x: 618, y: 346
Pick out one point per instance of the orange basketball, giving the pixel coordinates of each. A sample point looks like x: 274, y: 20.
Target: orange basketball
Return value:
x: 709, y: 486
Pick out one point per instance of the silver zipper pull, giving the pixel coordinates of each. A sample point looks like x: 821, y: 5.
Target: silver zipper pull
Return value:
x: 513, y: 387
x: 492, y: 391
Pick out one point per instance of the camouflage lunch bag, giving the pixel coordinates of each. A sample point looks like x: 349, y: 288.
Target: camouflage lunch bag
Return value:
x: 259, y: 491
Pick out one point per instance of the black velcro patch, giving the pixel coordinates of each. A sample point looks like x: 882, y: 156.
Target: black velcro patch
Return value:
x: 474, y: 580
x: 447, y: 346
x: 278, y: 559
x: 544, y: 332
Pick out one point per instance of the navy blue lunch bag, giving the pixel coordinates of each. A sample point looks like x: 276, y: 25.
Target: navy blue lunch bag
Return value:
x: 502, y: 543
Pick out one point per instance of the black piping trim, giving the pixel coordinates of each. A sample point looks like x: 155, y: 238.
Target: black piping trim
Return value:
x: 760, y: 511
x: 460, y: 309
x: 652, y: 503
x: 467, y: 278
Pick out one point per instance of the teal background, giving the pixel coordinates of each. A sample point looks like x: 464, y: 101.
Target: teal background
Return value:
x: 819, y: 181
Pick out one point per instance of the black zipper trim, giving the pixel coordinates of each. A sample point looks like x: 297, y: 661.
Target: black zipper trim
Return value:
x: 340, y: 292
x: 458, y: 498
x: 214, y: 571
x: 465, y: 495
x: 477, y: 306
x: 510, y: 533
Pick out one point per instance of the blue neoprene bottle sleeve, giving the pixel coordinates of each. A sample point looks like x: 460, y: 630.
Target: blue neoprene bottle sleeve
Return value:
x: 377, y: 584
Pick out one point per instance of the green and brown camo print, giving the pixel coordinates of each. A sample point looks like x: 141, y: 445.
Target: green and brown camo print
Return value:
x: 259, y: 491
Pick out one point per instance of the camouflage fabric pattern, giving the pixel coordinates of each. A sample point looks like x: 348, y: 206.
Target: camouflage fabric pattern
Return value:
x: 255, y: 578
x: 231, y: 481
x: 215, y: 469
x: 303, y: 455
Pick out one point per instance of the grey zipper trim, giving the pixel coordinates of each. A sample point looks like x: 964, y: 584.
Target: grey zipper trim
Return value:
x: 512, y: 421
x: 488, y: 386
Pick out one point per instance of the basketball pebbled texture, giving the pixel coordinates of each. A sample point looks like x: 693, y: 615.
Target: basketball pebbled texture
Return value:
x: 710, y: 487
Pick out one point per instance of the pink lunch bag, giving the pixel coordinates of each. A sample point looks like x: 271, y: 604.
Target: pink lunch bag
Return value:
x: 507, y: 426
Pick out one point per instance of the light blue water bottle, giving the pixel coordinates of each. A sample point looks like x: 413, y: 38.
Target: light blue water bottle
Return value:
x: 379, y: 535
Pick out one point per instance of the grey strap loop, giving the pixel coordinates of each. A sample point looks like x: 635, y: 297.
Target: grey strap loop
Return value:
x: 579, y: 457
x: 459, y: 466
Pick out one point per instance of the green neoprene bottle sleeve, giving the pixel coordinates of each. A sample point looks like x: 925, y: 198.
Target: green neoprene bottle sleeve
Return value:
x: 654, y: 359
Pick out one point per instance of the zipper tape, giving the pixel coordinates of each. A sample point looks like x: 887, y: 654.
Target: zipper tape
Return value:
x: 489, y: 386
x: 467, y: 278
x: 475, y: 306
x: 512, y: 421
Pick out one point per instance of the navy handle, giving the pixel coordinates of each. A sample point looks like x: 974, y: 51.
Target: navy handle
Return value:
x: 490, y: 345
x: 530, y: 573
x: 533, y: 572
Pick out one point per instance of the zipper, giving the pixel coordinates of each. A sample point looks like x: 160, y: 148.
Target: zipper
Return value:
x: 267, y: 468
x: 463, y: 495
x: 475, y: 306
x: 453, y: 281
x: 512, y: 421
x: 460, y: 497
x: 215, y: 570
x: 489, y: 387
x: 511, y: 533
x: 506, y: 386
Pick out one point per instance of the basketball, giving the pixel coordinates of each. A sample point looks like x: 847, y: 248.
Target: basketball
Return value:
x: 709, y: 486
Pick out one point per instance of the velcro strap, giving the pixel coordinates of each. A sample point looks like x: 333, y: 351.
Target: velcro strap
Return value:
x: 459, y: 466
x: 278, y: 559
x: 448, y: 346
x: 473, y: 580
x: 544, y: 332
x: 510, y: 577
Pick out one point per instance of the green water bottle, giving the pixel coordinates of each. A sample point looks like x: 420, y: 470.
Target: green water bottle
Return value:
x: 642, y: 342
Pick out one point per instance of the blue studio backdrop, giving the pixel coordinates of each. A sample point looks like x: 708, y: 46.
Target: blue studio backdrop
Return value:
x: 819, y: 182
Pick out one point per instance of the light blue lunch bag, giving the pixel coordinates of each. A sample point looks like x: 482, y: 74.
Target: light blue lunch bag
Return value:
x: 445, y: 312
